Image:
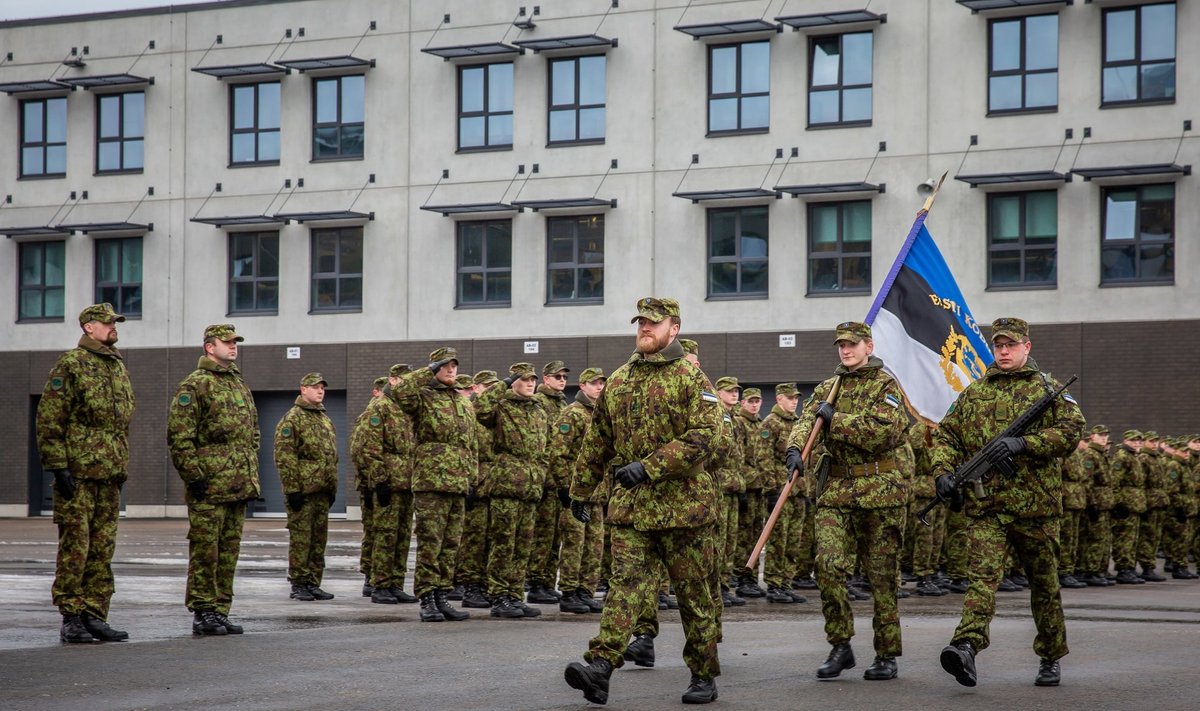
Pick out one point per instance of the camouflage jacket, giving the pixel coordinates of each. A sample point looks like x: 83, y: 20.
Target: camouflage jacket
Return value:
x: 306, y: 450
x: 483, y: 436
x: 447, y: 453
x: 1182, y: 491
x: 357, y: 434
x: 752, y: 449
x: 519, y: 430
x: 773, y: 433
x: 868, y: 428
x: 1129, y: 478
x: 654, y: 410
x: 1157, y: 484
x: 920, y: 438
x: 731, y: 460
x: 83, y: 416
x: 551, y: 401
x: 212, y: 432
x: 1094, y: 462
x: 1074, y: 478
x: 385, y: 445
x: 982, y: 411
x: 566, y: 438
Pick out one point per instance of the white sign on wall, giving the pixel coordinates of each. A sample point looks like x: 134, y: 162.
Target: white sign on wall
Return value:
x: 531, y: 347
x: 293, y: 352
x: 787, y: 340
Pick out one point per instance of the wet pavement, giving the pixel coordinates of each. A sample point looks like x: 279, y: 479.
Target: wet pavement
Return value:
x: 1131, y: 645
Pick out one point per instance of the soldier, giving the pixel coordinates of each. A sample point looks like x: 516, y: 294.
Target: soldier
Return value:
x: 731, y: 477
x: 1129, y: 476
x: 471, y: 571
x: 1176, y: 529
x: 366, y: 496
x: 445, y: 460
x: 1020, y: 510
x: 83, y: 437
x: 1150, y: 530
x: 927, y: 540
x: 1096, y: 539
x: 1074, y: 501
x: 306, y: 456
x: 752, y: 520
x: 543, y: 546
x: 212, y: 432
x: 785, y: 537
x: 656, y: 419
x: 861, y: 506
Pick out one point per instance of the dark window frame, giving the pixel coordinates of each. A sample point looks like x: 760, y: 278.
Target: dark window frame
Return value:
x: 43, y: 144
x: 485, y: 113
x: 42, y: 287
x: 120, y: 139
x: 337, y: 275
x: 576, y: 106
x: 484, y: 269
x: 575, y: 265
x: 1137, y: 61
x: 120, y: 285
x: 840, y: 86
x: 1136, y: 241
x: 256, y: 277
x: 255, y: 130
x: 1021, y: 71
x: 840, y: 254
x: 737, y: 257
x: 1020, y: 246
x: 339, y: 124
x: 737, y: 93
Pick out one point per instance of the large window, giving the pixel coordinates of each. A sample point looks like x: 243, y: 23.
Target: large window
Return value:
x: 43, y: 275
x: 1022, y: 239
x: 338, y: 123
x: 577, y: 100
x: 337, y: 269
x: 484, y: 262
x: 44, y: 138
x: 1138, y: 241
x: 839, y: 80
x: 575, y: 259
x: 120, y: 132
x: 119, y: 274
x: 254, y: 272
x: 1139, y: 55
x: 739, y: 87
x: 1023, y: 72
x: 485, y: 106
x: 254, y: 123
x: 839, y: 248
x: 737, y: 252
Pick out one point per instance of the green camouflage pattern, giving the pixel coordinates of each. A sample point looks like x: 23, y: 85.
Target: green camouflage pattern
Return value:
x: 471, y: 568
x: 1176, y: 533
x: 753, y: 472
x: 1075, y: 481
x: 1157, y: 484
x: 510, y: 519
x: 1129, y: 478
x: 1095, y: 543
x: 926, y: 540
x: 773, y: 434
x: 566, y: 438
x: 87, y: 538
x: 392, y: 529
x: 385, y: 445
x: 446, y: 455
x: 520, y: 429
x: 214, y: 542
x: 308, y: 533
x: 581, y: 553
x: 306, y: 450
x: 439, y: 527
x: 729, y: 460
x: 1099, y: 478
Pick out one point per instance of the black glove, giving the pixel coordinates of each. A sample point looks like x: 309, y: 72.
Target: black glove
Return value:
x: 65, y: 483
x: 383, y: 495
x: 579, y: 509
x: 743, y: 503
x: 795, y: 463
x: 825, y: 412
x: 945, y: 487
x: 772, y: 499
x: 1008, y: 446
x: 295, y: 500
x: 1181, y: 514
x: 1121, y: 512
x: 631, y: 475
x: 471, y: 499
x: 437, y: 365
x: 1093, y: 512
x: 564, y: 497
x: 368, y: 498
x: 198, y: 489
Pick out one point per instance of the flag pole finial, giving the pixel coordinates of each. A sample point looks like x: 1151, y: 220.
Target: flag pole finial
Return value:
x: 929, y: 200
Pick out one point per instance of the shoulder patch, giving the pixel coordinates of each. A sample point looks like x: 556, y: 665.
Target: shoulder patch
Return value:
x: 375, y: 421
x: 184, y: 399
x: 564, y: 428
x: 891, y: 400
x: 286, y: 432
x: 728, y: 418
x: 709, y: 397
x: 765, y: 434
x: 56, y: 383
x: 952, y: 406
x: 1068, y: 398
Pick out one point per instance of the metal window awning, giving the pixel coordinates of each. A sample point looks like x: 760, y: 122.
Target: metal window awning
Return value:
x: 977, y: 6
x: 106, y: 81
x: 1156, y: 170
x: 344, y: 216
x: 565, y: 204
x: 566, y: 44
x: 736, y: 194
x: 237, y: 71
x: 239, y: 221
x: 472, y: 208
x: 1037, y: 176
x: 38, y: 232
x: 714, y: 30
x: 342, y: 63
x: 484, y: 51
x: 826, y: 20
x: 35, y: 86
x: 831, y: 189
x: 105, y: 227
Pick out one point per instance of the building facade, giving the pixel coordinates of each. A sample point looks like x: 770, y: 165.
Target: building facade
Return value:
x: 353, y: 183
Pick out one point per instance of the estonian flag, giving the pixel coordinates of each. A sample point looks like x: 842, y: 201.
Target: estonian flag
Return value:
x: 923, y: 330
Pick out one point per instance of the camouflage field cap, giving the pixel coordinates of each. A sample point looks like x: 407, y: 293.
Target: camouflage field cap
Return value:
x: 749, y: 393
x: 656, y: 309
x: 521, y: 371
x: 313, y: 379
x: 379, y: 383
x: 590, y: 374
x: 463, y: 382
x: 222, y: 332
x: 103, y: 313
x: 1099, y: 429
x: 853, y: 331
x: 443, y: 354
x: 486, y: 377
x: 1014, y: 328
x: 555, y: 367
x: 689, y: 346
x: 727, y: 383
x: 1150, y: 436
x: 788, y: 389
x: 1132, y: 434
x: 399, y: 369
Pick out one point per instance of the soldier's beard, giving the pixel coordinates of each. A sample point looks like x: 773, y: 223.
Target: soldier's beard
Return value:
x: 648, y: 343
x: 112, y: 338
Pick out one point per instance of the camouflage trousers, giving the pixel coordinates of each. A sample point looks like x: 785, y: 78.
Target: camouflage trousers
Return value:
x: 1124, y: 541
x: 606, y: 559
x: 878, y: 533
x: 308, y: 532
x: 689, y: 556
x: 727, y: 537
x: 1034, y: 542
x: 543, y: 547
x: 393, y: 537
x: 367, y: 504
x: 1095, y: 543
x: 582, y: 549
x: 473, y: 551
x: 87, y: 538
x: 750, y: 526
x: 214, y: 541
x: 1150, y: 536
x: 509, y: 521
x: 926, y: 540
x: 806, y: 558
x: 783, y: 545
x: 1176, y: 536
x: 439, y: 529
x: 1068, y: 541
x: 955, y: 544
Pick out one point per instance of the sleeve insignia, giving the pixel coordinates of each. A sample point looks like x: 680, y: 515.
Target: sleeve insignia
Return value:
x: 185, y: 399
x: 564, y: 428
x: 375, y: 421
x: 56, y: 383
x: 891, y: 400
x: 709, y: 397
x: 728, y: 418
x: 765, y: 434
x: 286, y: 432
x: 1068, y: 398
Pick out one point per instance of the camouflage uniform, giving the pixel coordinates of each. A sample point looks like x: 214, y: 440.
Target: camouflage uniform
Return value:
x: 1096, y: 539
x: 750, y: 523
x: 1129, y: 476
x: 1074, y: 501
x: 1022, y: 510
x: 543, y: 545
x: 1157, y: 501
x: 785, y: 537
x: 212, y: 432
x: 1177, y: 528
x: 386, y: 448
x: 731, y: 477
x: 582, y: 543
x: 474, y: 549
x: 307, y: 459
x: 83, y: 427
x: 927, y: 540
x: 366, y: 497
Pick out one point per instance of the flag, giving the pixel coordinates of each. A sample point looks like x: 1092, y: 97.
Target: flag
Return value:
x: 923, y: 331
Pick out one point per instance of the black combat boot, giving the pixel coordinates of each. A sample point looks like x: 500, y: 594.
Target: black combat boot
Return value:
x: 796, y: 597
x: 1070, y: 581
x: 1149, y: 575
x: 429, y: 609
x: 505, y: 608
x: 750, y: 588
x: 1128, y: 577
x: 668, y: 600
x: 318, y: 593
x: 443, y: 606
x: 1018, y: 579
x: 841, y: 657
x: 1008, y: 585
x: 99, y: 629
x: 882, y: 669
x: 1093, y: 580
x: 927, y: 588
x: 591, y: 679
x: 205, y: 623
x: 1049, y: 673
x: 700, y: 691
x: 475, y: 597
x: 527, y: 610
x: 383, y: 596
x: 641, y: 650
x: 540, y: 595
x: 402, y: 596
x: 959, y: 660
x: 456, y: 593
x: 586, y: 597
x: 572, y: 603
x: 804, y: 583
x: 230, y: 628
x: 1181, y: 572
x: 959, y: 585
x: 778, y: 594
x: 301, y: 592
x: 74, y: 632
x: 367, y: 587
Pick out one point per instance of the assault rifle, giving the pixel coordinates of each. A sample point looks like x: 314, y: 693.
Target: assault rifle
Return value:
x: 990, y: 458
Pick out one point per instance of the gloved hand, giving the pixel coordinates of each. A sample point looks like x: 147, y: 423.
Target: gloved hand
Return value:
x: 1008, y: 446
x: 1093, y: 512
x: 1121, y: 511
x: 198, y: 489
x: 772, y: 499
x: 564, y: 497
x: 383, y: 495
x: 579, y: 509
x: 825, y: 411
x: 471, y: 499
x: 295, y: 500
x: 1181, y: 514
x: 631, y: 475
x: 743, y: 503
x: 437, y: 365
x: 795, y: 463
x: 368, y: 498
x: 65, y: 483
x: 945, y: 487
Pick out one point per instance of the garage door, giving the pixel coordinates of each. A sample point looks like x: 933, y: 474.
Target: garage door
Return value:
x: 272, y: 406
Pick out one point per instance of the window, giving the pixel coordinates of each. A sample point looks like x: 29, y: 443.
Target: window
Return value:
x: 120, y: 128
x: 43, y: 274
x: 1023, y: 239
x: 839, y: 248
x: 254, y: 273
x: 839, y: 80
x: 485, y: 263
x: 337, y: 266
x: 485, y: 106
x: 575, y: 259
x: 1023, y: 74
x: 44, y: 138
x: 254, y: 123
x: 1138, y: 242
x: 739, y: 87
x: 119, y: 274
x: 1139, y: 55
x: 737, y: 252
x: 576, y: 100
x: 338, y: 117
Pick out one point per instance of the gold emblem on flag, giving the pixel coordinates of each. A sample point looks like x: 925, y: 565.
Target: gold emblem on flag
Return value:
x: 961, y: 364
